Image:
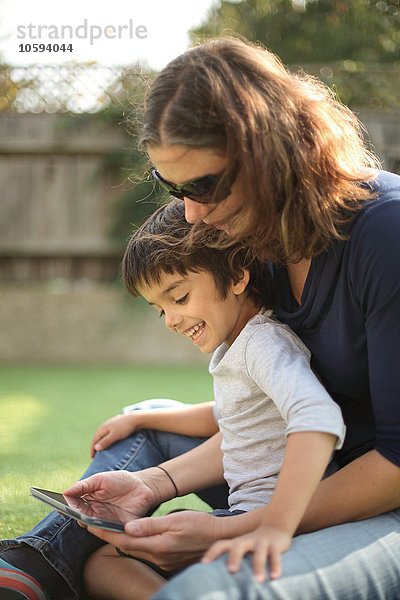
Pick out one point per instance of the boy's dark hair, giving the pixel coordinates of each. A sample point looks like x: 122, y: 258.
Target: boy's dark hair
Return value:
x: 163, y: 245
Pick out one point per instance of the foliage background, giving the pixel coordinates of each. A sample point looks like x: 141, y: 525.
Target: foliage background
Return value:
x: 352, y: 46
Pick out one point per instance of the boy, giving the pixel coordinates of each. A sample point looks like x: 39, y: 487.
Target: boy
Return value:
x: 264, y: 391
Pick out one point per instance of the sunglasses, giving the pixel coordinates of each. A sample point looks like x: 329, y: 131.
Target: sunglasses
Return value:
x: 205, y: 190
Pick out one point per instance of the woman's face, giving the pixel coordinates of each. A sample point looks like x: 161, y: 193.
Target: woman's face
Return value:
x: 179, y: 165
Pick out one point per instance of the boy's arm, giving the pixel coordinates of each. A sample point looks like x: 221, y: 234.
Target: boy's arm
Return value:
x: 306, y: 458
x: 193, y: 420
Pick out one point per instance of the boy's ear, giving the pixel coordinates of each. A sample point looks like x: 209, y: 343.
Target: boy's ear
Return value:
x: 242, y: 282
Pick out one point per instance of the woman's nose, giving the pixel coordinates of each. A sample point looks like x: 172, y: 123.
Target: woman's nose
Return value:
x: 194, y: 211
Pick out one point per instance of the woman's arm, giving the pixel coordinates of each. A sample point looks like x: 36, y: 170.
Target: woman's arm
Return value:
x: 199, y: 468
x: 368, y: 486
x: 194, y: 470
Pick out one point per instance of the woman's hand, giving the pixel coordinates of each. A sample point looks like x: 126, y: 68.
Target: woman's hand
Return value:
x: 266, y: 543
x: 172, y: 541
x: 136, y: 492
x: 114, y: 429
x: 178, y: 539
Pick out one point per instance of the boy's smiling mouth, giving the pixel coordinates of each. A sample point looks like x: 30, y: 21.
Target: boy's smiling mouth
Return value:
x: 195, y: 331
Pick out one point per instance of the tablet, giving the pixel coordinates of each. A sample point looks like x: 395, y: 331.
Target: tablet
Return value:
x: 91, y: 512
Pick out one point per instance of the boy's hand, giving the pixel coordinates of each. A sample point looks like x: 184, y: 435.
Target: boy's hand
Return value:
x: 112, y: 430
x: 266, y: 543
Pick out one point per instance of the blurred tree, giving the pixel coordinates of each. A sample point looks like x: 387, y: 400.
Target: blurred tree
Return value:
x: 302, y: 31
x: 355, y: 43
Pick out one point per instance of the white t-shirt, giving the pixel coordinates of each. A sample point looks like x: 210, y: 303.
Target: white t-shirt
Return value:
x: 265, y: 389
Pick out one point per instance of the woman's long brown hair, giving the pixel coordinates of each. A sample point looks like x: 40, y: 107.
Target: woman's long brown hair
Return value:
x: 300, y: 153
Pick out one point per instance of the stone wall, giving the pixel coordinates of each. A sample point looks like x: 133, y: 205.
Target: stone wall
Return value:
x: 84, y: 322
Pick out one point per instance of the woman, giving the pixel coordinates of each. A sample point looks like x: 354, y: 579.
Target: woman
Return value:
x: 270, y: 157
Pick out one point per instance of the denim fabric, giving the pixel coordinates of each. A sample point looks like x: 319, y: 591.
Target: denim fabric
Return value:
x: 354, y: 561
x: 64, y: 544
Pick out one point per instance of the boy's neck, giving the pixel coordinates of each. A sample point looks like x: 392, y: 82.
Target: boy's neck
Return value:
x: 249, y: 310
x: 252, y: 310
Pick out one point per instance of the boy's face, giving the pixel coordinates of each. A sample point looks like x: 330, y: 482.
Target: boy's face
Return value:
x: 192, y: 306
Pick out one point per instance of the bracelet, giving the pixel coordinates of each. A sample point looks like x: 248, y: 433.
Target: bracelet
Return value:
x: 170, y: 478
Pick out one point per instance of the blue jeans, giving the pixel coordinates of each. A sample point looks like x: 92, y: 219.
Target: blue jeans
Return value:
x: 65, y: 545
x: 354, y: 561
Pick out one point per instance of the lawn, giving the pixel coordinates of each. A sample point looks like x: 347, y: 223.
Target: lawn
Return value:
x: 49, y: 414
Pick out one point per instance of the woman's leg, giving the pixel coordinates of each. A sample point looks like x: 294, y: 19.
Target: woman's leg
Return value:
x: 357, y: 561
x: 63, y: 544
x: 109, y: 576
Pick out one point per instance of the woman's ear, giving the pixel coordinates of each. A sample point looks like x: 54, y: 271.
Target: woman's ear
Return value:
x: 241, y: 284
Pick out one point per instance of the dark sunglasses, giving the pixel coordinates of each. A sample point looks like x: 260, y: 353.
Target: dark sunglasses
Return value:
x: 205, y: 190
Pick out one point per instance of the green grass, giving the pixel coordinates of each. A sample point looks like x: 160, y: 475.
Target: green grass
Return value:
x: 49, y: 414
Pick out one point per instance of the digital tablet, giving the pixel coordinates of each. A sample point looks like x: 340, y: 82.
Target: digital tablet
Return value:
x: 91, y: 512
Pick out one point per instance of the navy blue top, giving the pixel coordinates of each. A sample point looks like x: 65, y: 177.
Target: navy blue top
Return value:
x: 350, y: 319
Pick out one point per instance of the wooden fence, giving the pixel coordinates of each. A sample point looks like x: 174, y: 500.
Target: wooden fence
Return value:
x: 57, y: 203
